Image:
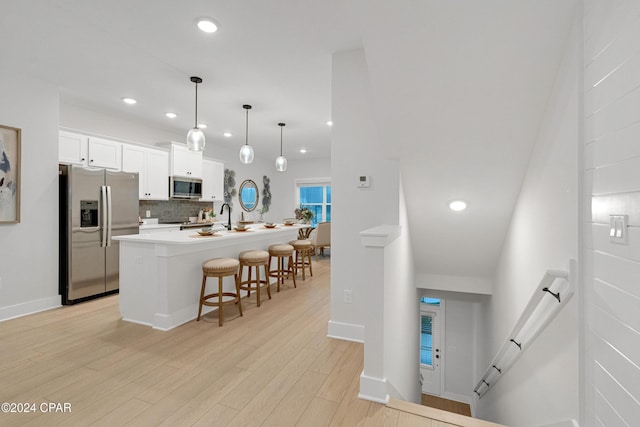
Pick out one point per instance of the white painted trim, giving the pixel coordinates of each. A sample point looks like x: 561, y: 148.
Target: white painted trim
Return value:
x: 373, y: 389
x: 468, y: 284
x: 166, y: 322
x: 380, y: 236
x: 564, y: 423
x: 323, y: 180
x: 345, y: 331
x: 393, y: 392
x: 29, y: 307
x: 137, y: 322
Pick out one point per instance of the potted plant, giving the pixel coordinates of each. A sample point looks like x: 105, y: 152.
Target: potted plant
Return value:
x: 304, y: 214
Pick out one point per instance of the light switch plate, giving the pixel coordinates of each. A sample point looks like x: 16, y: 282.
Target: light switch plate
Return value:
x: 618, y: 229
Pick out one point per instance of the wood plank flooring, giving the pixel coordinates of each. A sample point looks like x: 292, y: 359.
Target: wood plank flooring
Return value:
x: 273, y: 367
x: 446, y: 404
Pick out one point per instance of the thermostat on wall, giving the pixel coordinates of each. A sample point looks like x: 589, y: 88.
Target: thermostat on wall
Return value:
x: 363, y: 181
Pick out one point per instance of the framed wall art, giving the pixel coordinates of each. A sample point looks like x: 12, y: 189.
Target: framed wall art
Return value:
x: 9, y: 175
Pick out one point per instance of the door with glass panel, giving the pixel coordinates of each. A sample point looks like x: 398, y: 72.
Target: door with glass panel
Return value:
x: 430, y: 353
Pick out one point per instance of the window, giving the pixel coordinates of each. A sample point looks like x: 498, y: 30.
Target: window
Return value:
x: 316, y: 196
x: 430, y: 301
x: 426, y: 340
x: 428, y: 309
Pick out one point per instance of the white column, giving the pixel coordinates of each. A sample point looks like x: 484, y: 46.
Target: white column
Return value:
x: 373, y: 383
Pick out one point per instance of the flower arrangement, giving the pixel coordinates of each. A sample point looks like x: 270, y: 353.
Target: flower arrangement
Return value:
x: 304, y: 214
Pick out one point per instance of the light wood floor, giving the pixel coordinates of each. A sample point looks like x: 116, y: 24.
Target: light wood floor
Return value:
x: 446, y: 404
x: 273, y: 367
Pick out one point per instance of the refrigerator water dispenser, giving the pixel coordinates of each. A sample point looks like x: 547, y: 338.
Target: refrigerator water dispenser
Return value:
x: 88, y: 213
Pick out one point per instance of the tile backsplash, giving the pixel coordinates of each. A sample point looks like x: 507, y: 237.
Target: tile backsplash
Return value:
x: 172, y: 210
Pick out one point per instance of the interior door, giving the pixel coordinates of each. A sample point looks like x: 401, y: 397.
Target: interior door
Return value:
x: 430, y: 353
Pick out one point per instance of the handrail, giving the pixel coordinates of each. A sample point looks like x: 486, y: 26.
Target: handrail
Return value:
x: 553, y: 292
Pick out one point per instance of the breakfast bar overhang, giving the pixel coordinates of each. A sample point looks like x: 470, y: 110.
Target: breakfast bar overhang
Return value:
x: 161, y: 273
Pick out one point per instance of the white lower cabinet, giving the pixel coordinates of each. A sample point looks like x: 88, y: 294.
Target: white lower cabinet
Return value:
x: 152, y: 166
x: 212, y: 181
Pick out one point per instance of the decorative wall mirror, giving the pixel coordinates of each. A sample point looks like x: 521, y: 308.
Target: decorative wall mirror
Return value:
x: 248, y: 195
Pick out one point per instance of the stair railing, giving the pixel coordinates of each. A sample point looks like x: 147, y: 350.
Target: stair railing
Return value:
x: 555, y: 289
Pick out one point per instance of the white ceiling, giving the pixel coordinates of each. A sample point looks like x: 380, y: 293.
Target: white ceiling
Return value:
x: 459, y: 87
x: 274, y: 55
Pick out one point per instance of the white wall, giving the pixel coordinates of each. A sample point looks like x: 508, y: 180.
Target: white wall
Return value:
x: 355, y: 150
x: 401, y: 314
x: 611, y: 187
x: 299, y: 169
x: 542, y: 385
x: 28, y: 253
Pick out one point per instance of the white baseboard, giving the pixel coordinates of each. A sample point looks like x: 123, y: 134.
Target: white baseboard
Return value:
x: 345, y: 331
x: 30, y: 307
x: 373, y: 389
x: 564, y: 423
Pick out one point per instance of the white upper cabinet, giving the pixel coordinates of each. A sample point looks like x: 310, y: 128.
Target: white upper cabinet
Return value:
x: 185, y: 162
x: 212, y: 181
x: 105, y: 154
x: 152, y: 166
x: 73, y: 148
x: 89, y: 151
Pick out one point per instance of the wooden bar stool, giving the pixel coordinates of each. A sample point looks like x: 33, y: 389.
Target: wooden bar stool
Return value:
x: 303, y: 249
x: 254, y: 259
x: 280, y: 252
x: 219, y: 267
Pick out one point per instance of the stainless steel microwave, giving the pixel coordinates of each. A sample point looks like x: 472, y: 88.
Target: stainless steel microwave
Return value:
x: 185, y: 188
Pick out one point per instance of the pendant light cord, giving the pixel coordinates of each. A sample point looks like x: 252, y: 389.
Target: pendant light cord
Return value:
x: 246, y: 132
x: 195, y: 125
x: 281, y: 140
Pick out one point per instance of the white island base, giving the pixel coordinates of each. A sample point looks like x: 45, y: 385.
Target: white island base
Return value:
x: 161, y: 273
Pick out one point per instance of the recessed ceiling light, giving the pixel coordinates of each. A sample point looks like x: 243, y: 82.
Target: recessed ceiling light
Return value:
x: 207, y: 25
x: 228, y: 134
x: 129, y: 101
x: 458, y: 205
x: 170, y: 115
x: 303, y: 150
x: 329, y: 123
x: 202, y: 126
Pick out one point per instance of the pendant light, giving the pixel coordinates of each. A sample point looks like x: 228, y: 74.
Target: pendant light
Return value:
x: 246, y: 152
x: 281, y: 161
x: 195, y: 136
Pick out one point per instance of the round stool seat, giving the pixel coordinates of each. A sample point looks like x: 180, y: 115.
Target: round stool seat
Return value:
x: 254, y: 257
x: 300, y: 244
x: 220, y: 266
x: 280, y: 250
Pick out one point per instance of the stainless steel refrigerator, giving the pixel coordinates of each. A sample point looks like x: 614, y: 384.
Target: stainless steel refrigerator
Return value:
x: 95, y: 206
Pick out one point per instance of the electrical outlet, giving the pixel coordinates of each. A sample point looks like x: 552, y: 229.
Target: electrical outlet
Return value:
x: 148, y: 214
x: 348, y: 296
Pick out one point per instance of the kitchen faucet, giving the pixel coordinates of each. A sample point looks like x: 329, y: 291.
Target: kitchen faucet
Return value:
x: 228, y: 210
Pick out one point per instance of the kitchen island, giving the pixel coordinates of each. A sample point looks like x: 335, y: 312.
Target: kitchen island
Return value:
x: 161, y: 273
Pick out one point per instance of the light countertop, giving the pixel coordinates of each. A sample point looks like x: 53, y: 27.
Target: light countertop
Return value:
x: 191, y: 237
